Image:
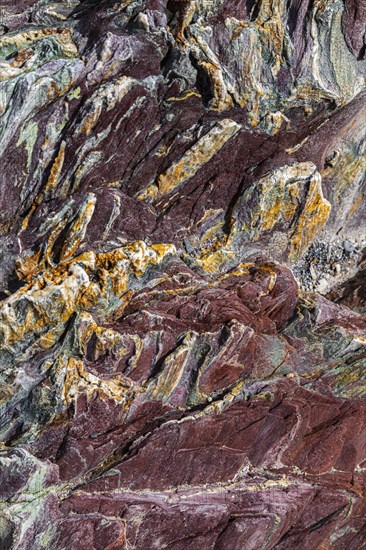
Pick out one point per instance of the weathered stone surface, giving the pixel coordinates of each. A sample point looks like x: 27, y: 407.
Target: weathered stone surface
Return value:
x: 182, y: 274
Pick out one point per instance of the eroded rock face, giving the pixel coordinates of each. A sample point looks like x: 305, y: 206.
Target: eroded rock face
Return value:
x: 182, y: 274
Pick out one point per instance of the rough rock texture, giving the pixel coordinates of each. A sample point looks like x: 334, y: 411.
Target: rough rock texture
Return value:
x: 182, y: 274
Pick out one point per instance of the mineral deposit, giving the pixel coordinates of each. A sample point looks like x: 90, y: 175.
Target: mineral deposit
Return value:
x: 182, y: 274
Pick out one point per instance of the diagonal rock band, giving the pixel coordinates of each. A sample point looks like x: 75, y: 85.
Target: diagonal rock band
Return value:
x: 182, y: 275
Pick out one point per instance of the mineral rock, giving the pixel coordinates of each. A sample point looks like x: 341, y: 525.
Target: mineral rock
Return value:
x: 182, y: 274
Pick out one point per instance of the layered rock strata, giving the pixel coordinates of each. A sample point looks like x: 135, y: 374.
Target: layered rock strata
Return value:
x: 182, y: 274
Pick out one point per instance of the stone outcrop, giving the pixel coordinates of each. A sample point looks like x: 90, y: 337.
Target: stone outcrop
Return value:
x: 182, y: 274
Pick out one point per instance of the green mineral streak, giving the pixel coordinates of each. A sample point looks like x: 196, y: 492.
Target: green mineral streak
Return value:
x: 74, y: 94
x: 46, y: 538
x: 352, y: 381
x: 28, y: 135
x: 64, y: 77
x: 46, y: 48
x: 276, y: 523
x: 275, y: 352
x: 342, y: 60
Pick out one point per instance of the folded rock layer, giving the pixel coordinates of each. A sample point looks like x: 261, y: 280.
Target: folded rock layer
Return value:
x: 182, y: 275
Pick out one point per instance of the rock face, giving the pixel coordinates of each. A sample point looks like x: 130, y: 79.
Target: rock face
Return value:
x: 182, y: 274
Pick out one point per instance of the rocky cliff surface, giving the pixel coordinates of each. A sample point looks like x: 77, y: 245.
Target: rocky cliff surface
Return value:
x: 182, y: 274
